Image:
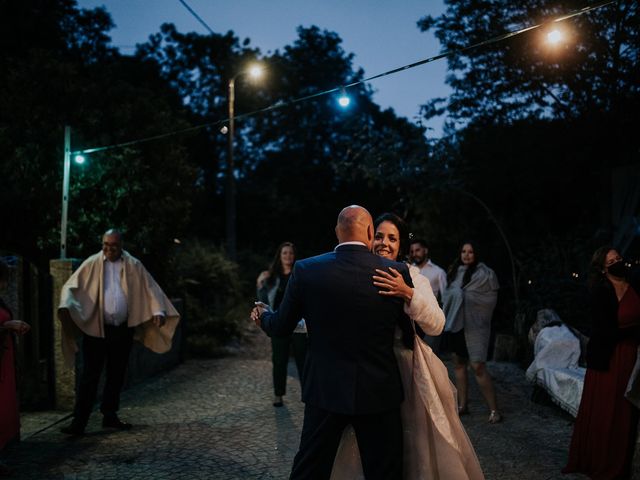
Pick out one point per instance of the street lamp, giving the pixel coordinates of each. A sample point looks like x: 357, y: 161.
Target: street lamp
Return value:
x: 254, y: 71
x: 79, y: 159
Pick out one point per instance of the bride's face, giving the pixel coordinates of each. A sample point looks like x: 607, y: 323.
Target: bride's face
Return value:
x: 386, y: 241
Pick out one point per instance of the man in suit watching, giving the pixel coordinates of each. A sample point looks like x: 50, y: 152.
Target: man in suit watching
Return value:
x: 350, y: 374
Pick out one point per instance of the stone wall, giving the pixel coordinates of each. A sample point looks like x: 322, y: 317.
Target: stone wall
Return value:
x: 65, y: 378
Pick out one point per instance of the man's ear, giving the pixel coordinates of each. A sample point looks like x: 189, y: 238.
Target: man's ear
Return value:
x: 370, y: 234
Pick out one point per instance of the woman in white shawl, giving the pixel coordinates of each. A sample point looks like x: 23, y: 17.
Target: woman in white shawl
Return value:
x: 468, y: 303
x: 435, y: 444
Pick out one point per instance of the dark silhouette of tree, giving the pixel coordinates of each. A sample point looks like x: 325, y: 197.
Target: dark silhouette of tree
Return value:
x: 534, y: 132
x: 593, y: 69
x: 59, y: 69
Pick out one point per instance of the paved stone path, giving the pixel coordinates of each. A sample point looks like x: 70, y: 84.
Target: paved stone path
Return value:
x: 213, y: 419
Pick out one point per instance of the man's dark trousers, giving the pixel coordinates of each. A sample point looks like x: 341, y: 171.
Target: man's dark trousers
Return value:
x: 379, y: 438
x: 112, y: 350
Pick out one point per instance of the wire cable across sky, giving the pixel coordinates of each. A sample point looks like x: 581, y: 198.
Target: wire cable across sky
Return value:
x: 281, y: 104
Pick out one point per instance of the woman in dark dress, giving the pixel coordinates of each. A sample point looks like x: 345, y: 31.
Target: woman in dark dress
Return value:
x: 271, y: 285
x: 605, y: 430
x: 9, y: 416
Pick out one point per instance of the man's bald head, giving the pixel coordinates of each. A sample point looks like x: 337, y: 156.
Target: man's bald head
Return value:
x: 355, y: 225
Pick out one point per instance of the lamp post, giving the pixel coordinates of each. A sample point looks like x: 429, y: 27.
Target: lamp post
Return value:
x: 66, y: 174
x: 65, y: 191
x: 230, y: 188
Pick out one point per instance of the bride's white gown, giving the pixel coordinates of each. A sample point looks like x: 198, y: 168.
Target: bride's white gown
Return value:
x: 436, y: 445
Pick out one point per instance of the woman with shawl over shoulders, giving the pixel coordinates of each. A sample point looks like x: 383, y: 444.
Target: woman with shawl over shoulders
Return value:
x: 9, y: 414
x: 468, y: 302
x: 604, y: 434
x: 435, y: 444
x: 271, y: 285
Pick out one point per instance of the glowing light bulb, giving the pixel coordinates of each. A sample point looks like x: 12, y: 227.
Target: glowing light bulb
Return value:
x: 554, y: 37
x: 255, y: 71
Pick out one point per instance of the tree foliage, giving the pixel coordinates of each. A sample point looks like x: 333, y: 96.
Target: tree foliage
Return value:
x: 593, y: 71
x: 63, y: 71
x: 297, y: 164
x: 534, y: 132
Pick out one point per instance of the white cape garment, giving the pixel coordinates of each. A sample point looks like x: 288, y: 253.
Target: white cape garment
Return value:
x: 436, y: 445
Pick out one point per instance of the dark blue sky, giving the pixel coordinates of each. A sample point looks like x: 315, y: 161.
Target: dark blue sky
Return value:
x: 382, y: 34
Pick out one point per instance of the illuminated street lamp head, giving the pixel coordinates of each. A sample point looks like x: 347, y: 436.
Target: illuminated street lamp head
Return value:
x: 79, y: 159
x: 555, y: 36
x: 255, y: 71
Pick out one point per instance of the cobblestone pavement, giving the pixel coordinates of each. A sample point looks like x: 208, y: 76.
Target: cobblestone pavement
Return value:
x: 213, y: 419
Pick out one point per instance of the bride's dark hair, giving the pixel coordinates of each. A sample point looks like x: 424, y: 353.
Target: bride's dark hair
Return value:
x: 403, y: 230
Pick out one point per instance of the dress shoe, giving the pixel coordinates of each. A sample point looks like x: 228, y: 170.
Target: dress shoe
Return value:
x: 73, y: 429
x: 277, y: 401
x: 115, y: 422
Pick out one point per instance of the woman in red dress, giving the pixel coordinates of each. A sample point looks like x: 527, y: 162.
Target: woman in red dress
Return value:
x: 605, y: 430
x: 9, y: 418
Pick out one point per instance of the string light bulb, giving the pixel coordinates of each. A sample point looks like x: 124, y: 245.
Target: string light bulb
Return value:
x: 344, y: 99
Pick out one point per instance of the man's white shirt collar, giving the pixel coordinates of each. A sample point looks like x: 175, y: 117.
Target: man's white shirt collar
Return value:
x: 354, y: 242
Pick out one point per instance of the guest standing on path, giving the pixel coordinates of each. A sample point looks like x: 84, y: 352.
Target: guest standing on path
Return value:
x: 419, y: 256
x: 271, y: 285
x: 9, y: 410
x: 469, y: 301
x: 109, y: 300
x: 604, y: 434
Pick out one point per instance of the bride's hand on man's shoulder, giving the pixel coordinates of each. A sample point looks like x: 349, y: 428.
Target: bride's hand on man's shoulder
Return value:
x: 392, y: 284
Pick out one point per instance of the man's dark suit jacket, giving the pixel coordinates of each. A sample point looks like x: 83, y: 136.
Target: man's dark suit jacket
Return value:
x: 350, y: 367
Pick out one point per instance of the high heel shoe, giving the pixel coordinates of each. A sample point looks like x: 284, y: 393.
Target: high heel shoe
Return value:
x: 495, y: 417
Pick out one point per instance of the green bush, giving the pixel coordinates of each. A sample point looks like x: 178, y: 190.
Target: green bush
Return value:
x: 213, y: 293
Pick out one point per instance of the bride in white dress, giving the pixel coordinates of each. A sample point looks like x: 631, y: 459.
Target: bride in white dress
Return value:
x: 436, y: 445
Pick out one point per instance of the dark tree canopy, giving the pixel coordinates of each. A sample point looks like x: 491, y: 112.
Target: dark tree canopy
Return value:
x: 594, y: 70
x: 61, y: 71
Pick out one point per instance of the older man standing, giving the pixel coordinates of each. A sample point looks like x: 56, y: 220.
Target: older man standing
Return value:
x: 109, y: 300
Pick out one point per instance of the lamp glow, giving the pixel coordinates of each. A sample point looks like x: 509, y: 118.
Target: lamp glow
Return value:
x: 79, y: 159
x: 554, y: 37
x: 344, y: 99
x: 255, y: 71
